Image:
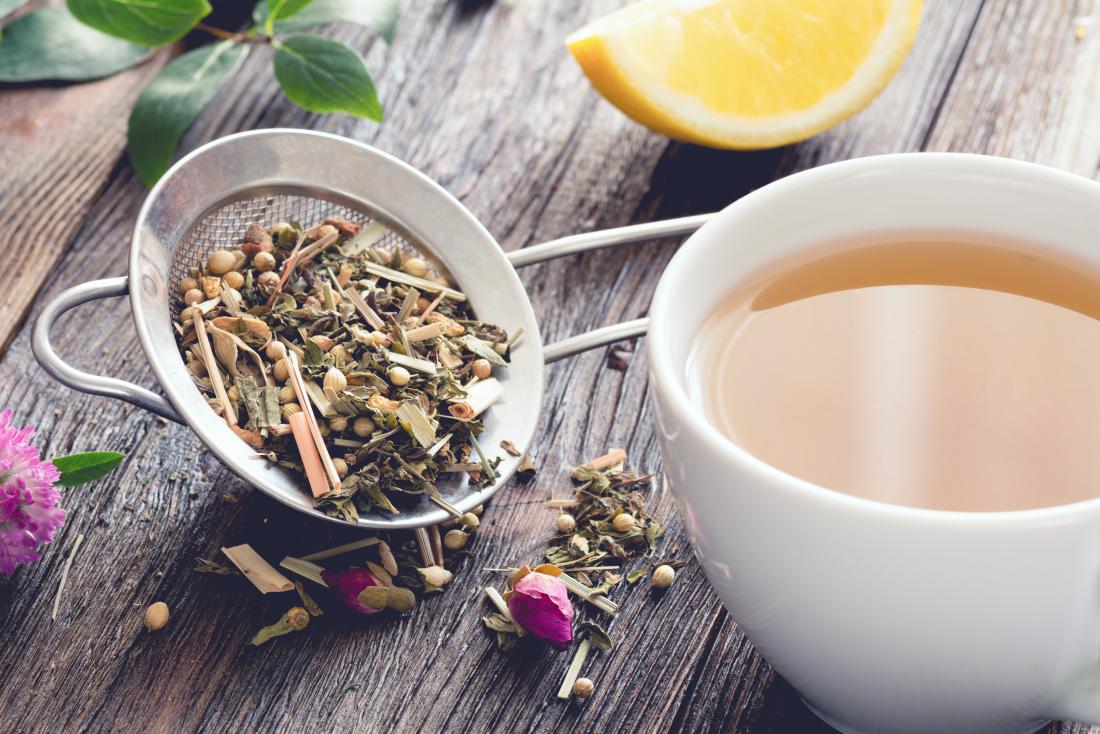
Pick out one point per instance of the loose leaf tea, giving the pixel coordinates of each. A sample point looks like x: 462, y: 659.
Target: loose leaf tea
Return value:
x: 353, y: 365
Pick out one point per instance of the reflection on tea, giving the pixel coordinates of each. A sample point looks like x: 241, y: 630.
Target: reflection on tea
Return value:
x: 936, y: 371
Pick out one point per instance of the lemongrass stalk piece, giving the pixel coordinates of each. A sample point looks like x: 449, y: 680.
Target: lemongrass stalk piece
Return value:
x: 574, y: 670
x: 420, y: 365
x: 608, y: 460
x: 341, y: 549
x: 307, y: 450
x: 305, y: 569
x: 295, y: 374
x: 478, y: 398
x: 262, y: 574
x: 396, y: 276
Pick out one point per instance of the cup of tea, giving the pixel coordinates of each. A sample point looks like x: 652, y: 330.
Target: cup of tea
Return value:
x: 877, y: 387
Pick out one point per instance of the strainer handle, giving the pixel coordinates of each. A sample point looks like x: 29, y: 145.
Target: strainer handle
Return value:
x: 578, y: 243
x: 595, y: 338
x: 66, y: 374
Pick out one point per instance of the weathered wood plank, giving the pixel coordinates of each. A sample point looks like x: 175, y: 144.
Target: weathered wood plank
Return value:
x: 533, y: 152
x: 58, y: 147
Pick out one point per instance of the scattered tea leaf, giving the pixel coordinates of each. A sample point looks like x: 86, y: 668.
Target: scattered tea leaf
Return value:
x: 149, y: 22
x: 322, y: 75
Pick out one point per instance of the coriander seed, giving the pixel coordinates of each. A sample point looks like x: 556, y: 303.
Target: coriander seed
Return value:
x: 481, y: 369
x: 583, y: 687
x: 336, y: 425
x: 663, y: 576
x: 469, y: 521
x: 455, y: 539
x: 623, y: 522
x: 267, y: 280
x: 290, y: 409
x: 286, y: 394
x: 566, y: 523
x: 187, y: 284
x: 233, y: 279
x: 399, y: 376
x: 362, y: 427
x: 263, y: 261
x: 192, y: 296
x: 275, y: 350
x: 335, y: 380
x: 415, y: 266
x: 156, y: 616
x: 220, y: 262
x: 341, y: 467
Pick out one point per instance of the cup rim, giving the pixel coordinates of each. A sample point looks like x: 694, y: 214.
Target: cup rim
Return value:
x: 664, y: 370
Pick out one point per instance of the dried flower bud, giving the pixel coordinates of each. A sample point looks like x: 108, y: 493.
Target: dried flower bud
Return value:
x: 623, y: 522
x: 469, y: 521
x: 455, y: 329
x: 583, y: 687
x: 481, y: 369
x: 282, y: 370
x: 345, y: 227
x: 539, y: 602
x: 267, y: 280
x: 290, y: 409
x: 187, y: 284
x: 295, y: 620
x: 415, y: 266
x: 566, y: 523
x: 335, y: 380
x: 435, y: 576
x: 220, y: 262
x: 381, y: 339
x: 580, y: 543
x: 338, y: 424
x: 263, y: 261
x: 422, y: 304
x: 256, y: 240
x: 192, y: 296
x: 349, y: 583
x: 233, y: 279
x: 455, y: 539
x: 211, y: 285
x: 344, y: 276
x: 156, y: 616
x: 663, y: 576
x: 340, y: 354
x: 383, y: 404
x: 325, y: 230
x: 362, y: 427
x: 323, y: 342
x: 398, y: 376
x: 275, y: 350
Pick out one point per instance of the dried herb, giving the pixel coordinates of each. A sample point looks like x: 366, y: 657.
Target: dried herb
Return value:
x: 351, y: 364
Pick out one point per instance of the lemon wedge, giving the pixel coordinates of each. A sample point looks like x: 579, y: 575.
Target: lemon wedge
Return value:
x: 745, y: 73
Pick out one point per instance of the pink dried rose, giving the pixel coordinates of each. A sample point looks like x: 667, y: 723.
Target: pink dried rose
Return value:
x: 348, y: 584
x: 29, y: 515
x: 539, y: 602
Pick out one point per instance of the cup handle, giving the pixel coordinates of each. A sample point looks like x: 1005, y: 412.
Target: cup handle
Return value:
x: 66, y: 374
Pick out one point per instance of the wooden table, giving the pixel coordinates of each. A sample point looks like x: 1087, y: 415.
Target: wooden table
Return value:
x: 482, y: 97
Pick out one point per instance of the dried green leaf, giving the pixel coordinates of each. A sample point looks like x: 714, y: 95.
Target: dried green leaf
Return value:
x: 597, y: 634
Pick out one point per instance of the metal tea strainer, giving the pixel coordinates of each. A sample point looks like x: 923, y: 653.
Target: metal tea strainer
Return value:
x: 206, y: 201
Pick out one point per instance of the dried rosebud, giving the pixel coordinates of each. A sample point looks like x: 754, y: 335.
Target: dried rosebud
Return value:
x: 345, y: 227
x: 539, y: 602
x: 349, y: 585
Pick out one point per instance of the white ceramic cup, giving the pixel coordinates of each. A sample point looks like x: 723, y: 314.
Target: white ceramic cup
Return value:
x: 885, y: 618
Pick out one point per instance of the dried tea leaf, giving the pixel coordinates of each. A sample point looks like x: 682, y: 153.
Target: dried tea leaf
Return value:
x: 635, y: 576
x: 482, y: 349
x: 597, y: 634
x: 510, y: 448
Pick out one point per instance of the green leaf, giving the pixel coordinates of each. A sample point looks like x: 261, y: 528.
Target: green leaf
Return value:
x: 277, y: 10
x: 148, y: 22
x: 82, y: 468
x: 321, y: 75
x: 170, y: 102
x: 378, y: 15
x: 51, y: 44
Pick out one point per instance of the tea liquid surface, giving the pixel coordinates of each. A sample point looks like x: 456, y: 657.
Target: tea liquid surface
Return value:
x: 933, y: 371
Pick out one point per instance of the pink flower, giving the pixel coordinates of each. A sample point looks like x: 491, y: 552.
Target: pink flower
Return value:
x: 348, y: 584
x: 28, y: 512
x: 539, y: 602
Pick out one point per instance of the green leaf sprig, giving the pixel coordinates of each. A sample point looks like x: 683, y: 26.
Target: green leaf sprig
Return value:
x: 83, y: 468
x: 91, y: 39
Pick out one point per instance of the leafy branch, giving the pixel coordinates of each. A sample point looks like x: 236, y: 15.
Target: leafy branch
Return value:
x: 91, y: 39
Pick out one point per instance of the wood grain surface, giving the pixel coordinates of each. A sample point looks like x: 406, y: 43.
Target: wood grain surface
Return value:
x: 482, y: 97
